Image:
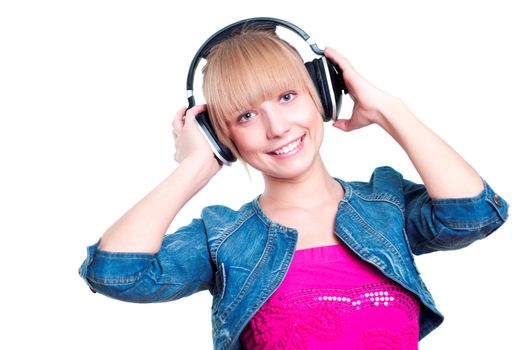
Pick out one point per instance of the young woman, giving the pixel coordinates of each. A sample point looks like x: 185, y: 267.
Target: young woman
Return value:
x: 314, y: 262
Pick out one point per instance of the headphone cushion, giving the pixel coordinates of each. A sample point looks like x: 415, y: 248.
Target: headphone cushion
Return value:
x: 317, y: 73
x: 222, y: 152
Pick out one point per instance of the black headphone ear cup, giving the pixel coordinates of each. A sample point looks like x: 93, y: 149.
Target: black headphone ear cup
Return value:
x: 329, y: 84
x: 326, y: 88
x: 222, y: 152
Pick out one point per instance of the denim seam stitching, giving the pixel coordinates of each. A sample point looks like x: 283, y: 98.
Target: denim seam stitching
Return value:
x: 380, y: 235
x: 248, y: 281
x: 227, y: 232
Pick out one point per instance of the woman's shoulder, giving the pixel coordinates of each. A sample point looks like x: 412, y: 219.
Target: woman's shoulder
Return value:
x: 222, y: 215
x: 383, y: 178
x: 385, y: 183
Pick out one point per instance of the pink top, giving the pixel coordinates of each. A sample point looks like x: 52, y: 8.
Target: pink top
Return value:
x: 332, y: 299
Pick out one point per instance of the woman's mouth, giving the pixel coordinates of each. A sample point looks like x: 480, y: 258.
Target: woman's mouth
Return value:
x: 288, y: 149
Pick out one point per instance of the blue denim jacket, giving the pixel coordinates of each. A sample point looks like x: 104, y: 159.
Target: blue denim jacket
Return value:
x: 241, y: 257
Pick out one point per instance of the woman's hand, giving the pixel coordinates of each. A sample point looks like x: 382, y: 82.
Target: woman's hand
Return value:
x: 370, y: 102
x: 189, y: 141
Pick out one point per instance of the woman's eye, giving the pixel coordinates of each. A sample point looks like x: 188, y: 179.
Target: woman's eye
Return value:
x: 288, y: 96
x: 245, y: 117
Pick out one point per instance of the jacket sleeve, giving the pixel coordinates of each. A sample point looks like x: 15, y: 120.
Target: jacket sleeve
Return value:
x: 182, y: 267
x: 451, y: 223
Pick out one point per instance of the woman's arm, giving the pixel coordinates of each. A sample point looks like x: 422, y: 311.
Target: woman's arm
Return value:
x: 455, y: 207
x: 445, y: 173
x: 142, y: 228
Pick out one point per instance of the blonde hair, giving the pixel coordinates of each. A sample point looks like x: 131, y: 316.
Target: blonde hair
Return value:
x: 246, y: 69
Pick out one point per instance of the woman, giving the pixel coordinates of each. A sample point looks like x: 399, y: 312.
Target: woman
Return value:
x: 314, y: 262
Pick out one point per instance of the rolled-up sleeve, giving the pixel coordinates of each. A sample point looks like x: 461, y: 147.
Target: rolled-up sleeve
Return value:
x: 182, y: 267
x: 450, y: 223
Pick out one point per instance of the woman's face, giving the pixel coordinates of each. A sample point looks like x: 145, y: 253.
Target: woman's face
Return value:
x: 281, y: 137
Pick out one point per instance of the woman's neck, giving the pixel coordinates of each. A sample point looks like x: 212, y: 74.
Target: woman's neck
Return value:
x: 307, y: 191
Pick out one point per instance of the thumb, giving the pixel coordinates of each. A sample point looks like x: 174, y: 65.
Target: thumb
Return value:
x: 343, y: 124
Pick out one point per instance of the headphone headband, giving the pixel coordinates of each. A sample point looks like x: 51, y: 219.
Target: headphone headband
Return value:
x: 263, y: 23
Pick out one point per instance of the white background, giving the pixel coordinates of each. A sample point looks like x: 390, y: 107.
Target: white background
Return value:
x: 87, y: 95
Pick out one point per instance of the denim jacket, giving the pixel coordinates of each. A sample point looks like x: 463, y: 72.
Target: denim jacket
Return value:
x: 241, y: 257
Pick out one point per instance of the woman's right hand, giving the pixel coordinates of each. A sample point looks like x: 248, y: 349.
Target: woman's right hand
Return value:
x: 190, y: 143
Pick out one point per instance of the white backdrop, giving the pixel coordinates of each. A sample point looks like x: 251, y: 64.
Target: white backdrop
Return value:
x: 88, y: 90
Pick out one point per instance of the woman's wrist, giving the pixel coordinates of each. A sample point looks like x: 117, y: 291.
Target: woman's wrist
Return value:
x: 202, y: 168
x: 389, y: 110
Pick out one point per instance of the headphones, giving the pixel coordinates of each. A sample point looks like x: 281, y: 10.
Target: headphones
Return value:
x: 326, y: 76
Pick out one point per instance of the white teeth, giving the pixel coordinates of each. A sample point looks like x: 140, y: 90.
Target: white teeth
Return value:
x: 288, y: 148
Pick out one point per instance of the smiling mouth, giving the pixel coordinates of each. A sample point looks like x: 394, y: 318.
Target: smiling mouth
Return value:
x: 289, y: 147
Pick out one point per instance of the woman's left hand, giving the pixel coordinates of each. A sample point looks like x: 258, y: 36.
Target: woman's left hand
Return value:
x: 369, y: 101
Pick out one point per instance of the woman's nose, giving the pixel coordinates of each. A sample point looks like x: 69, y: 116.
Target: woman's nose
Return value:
x: 278, y: 123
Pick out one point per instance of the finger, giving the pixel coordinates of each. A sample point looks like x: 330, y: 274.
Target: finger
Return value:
x: 343, y: 124
x: 191, y: 113
x: 337, y: 58
x: 177, y: 123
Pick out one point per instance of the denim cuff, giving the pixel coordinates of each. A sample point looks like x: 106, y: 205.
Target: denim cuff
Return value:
x: 110, y: 268
x: 473, y: 212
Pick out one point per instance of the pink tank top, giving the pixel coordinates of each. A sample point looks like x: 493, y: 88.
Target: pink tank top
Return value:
x: 332, y: 299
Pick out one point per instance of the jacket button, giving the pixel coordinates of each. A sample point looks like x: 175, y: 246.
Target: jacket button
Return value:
x: 497, y: 200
